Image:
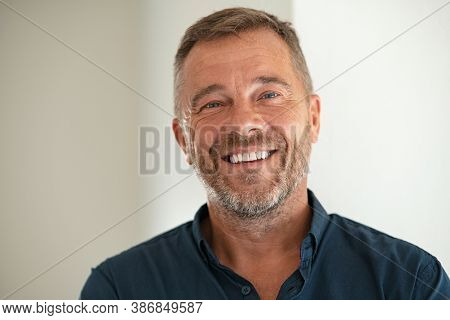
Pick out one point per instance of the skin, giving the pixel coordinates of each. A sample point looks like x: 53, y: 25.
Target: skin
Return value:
x: 263, y: 248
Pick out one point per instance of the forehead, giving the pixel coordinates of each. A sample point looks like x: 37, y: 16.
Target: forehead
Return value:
x: 246, y: 54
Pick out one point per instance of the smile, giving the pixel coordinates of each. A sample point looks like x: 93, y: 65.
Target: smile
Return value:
x: 248, y: 157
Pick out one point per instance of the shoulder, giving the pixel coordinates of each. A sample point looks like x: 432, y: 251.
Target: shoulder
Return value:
x: 357, y: 235
x: 139, y: 265
x: 155, y: 250
x: 400, y: 265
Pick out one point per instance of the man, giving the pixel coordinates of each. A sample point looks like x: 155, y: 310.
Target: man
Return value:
x: 246, y: 116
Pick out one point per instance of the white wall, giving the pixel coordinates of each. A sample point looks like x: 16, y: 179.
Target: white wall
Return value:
x: 68, y: 141
x: 383, y: 153
x: 69, y: 134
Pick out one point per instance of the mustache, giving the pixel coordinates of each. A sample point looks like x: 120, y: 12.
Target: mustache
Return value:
x: 228, y: 142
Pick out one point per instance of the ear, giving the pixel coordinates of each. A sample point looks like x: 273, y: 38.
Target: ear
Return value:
x: 314, y: 117
x: 181, y: 139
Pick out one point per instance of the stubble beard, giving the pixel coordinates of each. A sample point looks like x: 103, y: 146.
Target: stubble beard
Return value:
x: 268, y: 194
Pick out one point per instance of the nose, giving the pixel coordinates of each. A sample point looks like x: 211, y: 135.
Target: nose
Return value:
x: 245, y: 118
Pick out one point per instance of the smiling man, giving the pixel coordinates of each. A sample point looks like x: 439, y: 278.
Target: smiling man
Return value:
x: 246, y: 117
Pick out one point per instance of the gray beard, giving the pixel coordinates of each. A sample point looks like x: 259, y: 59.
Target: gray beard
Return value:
x: 253, y: 205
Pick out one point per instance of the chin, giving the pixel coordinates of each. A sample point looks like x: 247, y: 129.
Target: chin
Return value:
x: 248, y: 202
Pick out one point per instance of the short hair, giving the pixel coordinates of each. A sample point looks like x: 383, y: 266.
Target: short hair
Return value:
x: 232, y: 21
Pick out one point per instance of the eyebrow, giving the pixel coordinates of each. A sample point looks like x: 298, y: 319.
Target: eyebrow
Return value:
x: 272, y: 80
x: 204, y: 92
x: 217, y: 87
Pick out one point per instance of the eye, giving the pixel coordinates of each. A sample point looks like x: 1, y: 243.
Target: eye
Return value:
x: 269, y: 95
x: 213, y: 104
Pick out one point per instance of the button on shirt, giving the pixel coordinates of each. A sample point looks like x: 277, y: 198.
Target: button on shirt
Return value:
x: 340, y: 259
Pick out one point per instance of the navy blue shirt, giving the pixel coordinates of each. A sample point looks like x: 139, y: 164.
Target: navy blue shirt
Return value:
x: 340, y: 259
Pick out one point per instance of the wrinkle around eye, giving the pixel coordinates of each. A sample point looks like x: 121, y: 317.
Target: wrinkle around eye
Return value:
x: 199, y: 108
x: 214, y: 106
x: 262, y: 97
x: 208, y: 105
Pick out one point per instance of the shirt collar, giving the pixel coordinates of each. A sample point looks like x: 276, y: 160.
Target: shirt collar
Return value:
x: 319, y: 220
x: 318, y: 225
x: 202, y: 245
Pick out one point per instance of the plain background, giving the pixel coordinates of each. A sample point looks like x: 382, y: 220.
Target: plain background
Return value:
x: 69, y: 130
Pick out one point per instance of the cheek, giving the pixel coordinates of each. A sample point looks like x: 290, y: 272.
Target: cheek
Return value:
x: 294, y: 122
x: 205, y: 137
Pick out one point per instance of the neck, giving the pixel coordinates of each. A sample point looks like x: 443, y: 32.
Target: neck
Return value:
x: 246, y: 244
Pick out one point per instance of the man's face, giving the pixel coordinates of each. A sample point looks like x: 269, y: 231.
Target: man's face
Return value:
x: 248, y: 121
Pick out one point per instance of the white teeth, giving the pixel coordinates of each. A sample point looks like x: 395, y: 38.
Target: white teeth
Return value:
x: 246, y: 157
